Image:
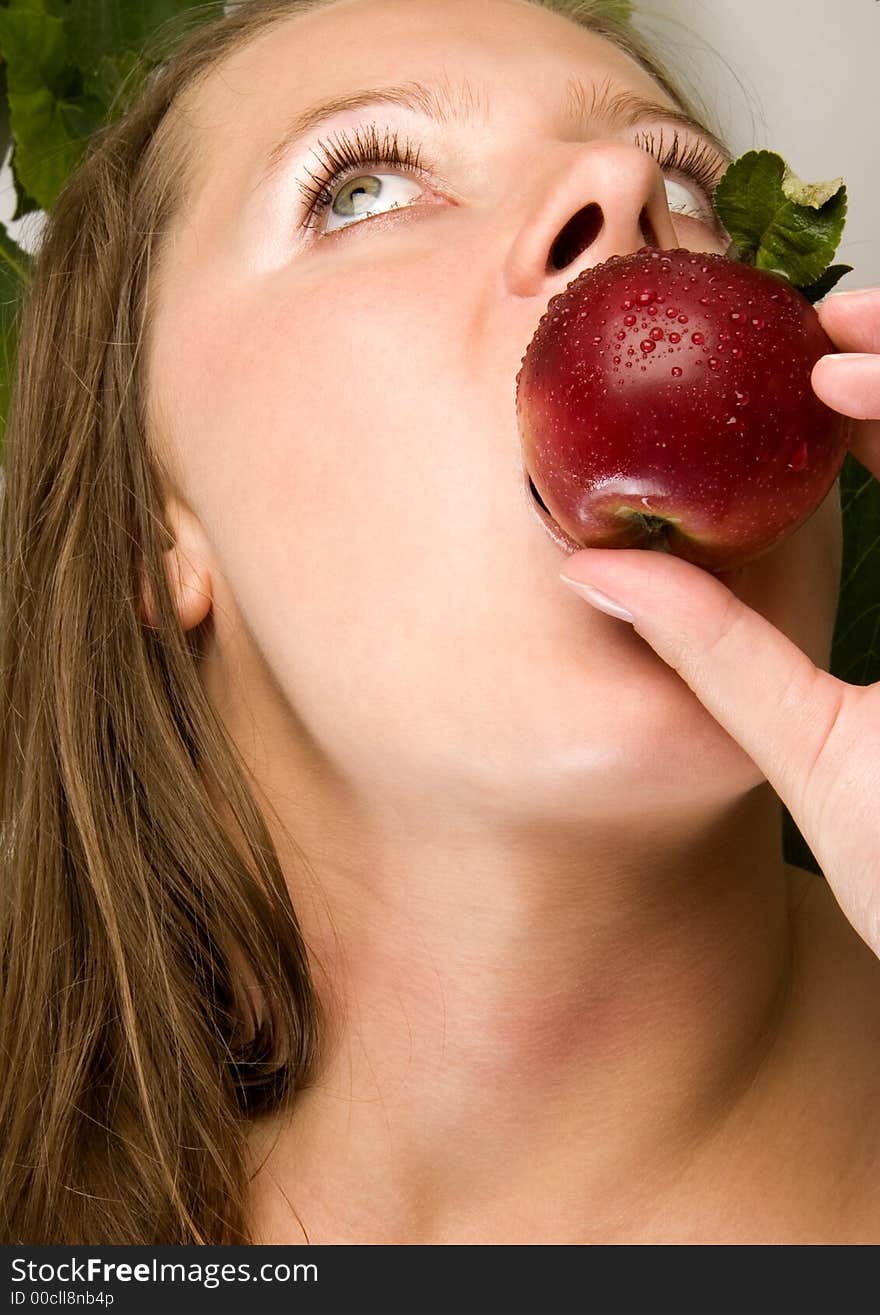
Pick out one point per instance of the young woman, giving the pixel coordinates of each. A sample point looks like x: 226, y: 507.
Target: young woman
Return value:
x: 361, y: 883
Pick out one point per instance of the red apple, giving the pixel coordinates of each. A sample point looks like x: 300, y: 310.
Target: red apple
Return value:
x: 665, y: 400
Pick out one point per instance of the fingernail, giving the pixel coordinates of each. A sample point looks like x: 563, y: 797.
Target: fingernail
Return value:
x: 855, y: 292
x: 598, y: 599
x: 844, y: 358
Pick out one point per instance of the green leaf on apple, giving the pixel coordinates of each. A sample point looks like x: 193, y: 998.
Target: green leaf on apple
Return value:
x: 816, y: 291
x: 777, y: 222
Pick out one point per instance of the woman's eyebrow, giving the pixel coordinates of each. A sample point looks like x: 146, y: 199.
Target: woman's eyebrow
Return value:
x: 463, y: 104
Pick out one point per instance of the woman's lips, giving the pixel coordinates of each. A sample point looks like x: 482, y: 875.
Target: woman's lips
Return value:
x: 557, y: 534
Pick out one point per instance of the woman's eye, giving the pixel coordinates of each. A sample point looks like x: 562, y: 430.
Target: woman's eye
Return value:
x: 360, y: 197
x: 683, y: 201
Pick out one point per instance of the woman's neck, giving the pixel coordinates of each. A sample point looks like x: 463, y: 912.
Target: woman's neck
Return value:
x: 528, y: 1031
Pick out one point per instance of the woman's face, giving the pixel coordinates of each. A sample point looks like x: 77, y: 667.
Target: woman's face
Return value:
x: 339, y: 404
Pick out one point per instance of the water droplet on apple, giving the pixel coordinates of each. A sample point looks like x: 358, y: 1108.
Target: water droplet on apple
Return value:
x: 647, y: 345
x: 629, y: 320
x: 621, y: 335
x: 736, y: 351
x: 798, y: 459
x: 682, y: 319
x: 671, y: 312
x: 705, y: 301
x: 714, y: 363
x: 598, y: 338
x: 616, y: 360
x: 742, y: 399
x: 676, y: 372
x: 759, y: 324
x: 656, y: 334
x: 697, y: 338
x: 736, y: 316
x: 645, y: 298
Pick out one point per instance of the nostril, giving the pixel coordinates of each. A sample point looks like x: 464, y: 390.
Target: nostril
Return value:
x: 579, y: 233
x: 646, y: 228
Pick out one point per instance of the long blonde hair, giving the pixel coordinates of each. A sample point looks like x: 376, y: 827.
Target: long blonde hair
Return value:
x: 132, y: 1059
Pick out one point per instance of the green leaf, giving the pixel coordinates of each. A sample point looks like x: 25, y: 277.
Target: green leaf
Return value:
x: 15, y: 275
x: 816, y: 291
x: 777, y: 222
x: 40, y: 79
x: 855, y: 654
x: 5, y: 128
x: 855, y: 650
x: 24, y: 202
x: 96, y: 28
x: 34, y: 46
x: 106, y: 80
x: 46, y: 150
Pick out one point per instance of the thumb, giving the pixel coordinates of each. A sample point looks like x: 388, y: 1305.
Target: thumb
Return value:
x: 754, y: 681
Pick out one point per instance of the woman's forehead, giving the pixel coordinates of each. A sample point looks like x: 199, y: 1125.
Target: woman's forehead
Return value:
x: 341, y: 47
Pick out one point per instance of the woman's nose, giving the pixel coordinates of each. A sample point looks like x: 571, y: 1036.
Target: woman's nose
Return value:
x: 612, y: 200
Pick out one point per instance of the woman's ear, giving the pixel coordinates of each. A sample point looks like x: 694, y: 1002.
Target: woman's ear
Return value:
x: 187, y: 570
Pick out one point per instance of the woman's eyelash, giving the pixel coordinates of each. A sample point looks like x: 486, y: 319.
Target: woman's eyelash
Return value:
x: 343, y: 154
x: 699, y: 160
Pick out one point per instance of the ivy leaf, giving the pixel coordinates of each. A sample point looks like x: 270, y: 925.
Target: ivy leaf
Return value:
x: 15, y: 275
x: 776, y: 221
x: 855, y: 653
x: 5, y: 128
x: 24, y: 203
x: 106, y: 80
x: 40, y: 79
x: 95, y: 28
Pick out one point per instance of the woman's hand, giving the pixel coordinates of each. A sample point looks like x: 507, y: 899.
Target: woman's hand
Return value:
x: 815, y: 738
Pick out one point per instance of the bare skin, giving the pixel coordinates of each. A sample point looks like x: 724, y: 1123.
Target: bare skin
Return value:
x: 572, y: 992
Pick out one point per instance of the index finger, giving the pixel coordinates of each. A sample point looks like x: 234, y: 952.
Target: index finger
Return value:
x: 852, y: 319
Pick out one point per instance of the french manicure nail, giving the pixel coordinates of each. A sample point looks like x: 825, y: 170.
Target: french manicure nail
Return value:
x: 855, y: 292
x: 598, y: 599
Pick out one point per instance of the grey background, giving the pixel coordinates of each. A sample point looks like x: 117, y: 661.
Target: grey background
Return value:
x: 796, y: 76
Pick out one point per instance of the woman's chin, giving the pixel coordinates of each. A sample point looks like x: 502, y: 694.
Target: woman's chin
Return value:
x: 595, y: 739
